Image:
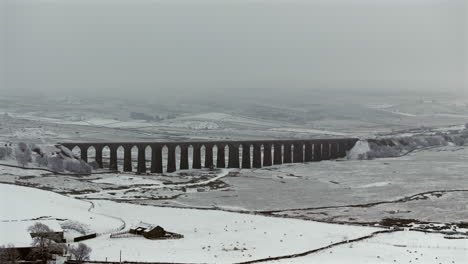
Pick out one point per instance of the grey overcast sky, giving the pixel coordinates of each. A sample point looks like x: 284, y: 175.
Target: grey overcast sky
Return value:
x: 174, y: 47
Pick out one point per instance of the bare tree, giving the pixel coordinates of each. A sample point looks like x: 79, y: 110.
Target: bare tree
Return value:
x: 9, y: 254
x: 43, y: 242
x: 80, y: 252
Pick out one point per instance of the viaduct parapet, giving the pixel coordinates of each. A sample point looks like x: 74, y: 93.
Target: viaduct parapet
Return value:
x: 158, y: 157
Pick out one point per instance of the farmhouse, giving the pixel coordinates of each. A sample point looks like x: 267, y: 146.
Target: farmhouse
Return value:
x: 150, y: 231
x: 15, y: 234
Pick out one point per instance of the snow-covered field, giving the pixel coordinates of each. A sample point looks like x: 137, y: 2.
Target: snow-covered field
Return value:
x: 48, y: 120
x: 223, y: 237
x: 125, y: 180
x: 23, y: 203
x: 310, y: 131
x: 215, y: 236
x: 256, y: 213
x: 399, y: 247
x: 210, y: 236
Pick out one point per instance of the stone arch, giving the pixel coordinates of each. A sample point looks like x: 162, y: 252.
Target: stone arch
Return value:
x: 164, y: 155
x: 120, y: 151
x: 219, y: 151
x: 341, y: 149
x: 204, y: 151
x: 195, y: 152
x: 267, y: 152
x: 233, y: 155
x: 76, y: 150
x: 177, y: 156
x: 334, y: 150
x: 317, y: 149
x: 241, y: 152
x: 156, y: 158
x: 257, y: 155
x: 130, y: 152
x: 287, y: 152
x: 148, y: 152
x: 215, y: 155
x: 298, y: 152
x: 143, y: 151
x: 277, y: 153
x: 171, y: 157
x: 325, y: 150
x: 190, y: 155
x: 184, y: 163
x: 84, y: 152
x: 247, y: 150
x: 202, y: 155
x: 91, y: 153
x: 304, y: 145
x: 308, y: 152
x: 209, y: 157
x: 105, y: 156
x: 226, y: 154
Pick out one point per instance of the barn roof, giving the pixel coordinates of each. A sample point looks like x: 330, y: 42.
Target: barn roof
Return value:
x: 16, y: 232
x: 144, y: 225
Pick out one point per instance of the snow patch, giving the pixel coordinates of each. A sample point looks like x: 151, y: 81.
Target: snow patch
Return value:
x: 34, y: 133
x: 30, y: 203
x: 400, y: 146
x: 309, y: 131
x: 375, y: 184
x: 122, y: 180
x: 194, y: 125
x: 359, y: 151
x: 398, y: 247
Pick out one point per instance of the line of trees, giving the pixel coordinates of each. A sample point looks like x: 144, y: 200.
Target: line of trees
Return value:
x: 81, y: 252
x: 44, y: 245
x: 9, y: 255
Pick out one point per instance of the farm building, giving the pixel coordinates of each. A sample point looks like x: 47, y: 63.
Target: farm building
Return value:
x: 150, y: 231
x: 15, y: 234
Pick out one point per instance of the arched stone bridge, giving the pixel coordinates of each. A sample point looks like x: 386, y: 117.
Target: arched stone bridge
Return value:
x: 240, y: 154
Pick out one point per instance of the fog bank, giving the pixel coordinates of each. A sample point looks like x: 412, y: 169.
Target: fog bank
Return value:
x: 167, y: 49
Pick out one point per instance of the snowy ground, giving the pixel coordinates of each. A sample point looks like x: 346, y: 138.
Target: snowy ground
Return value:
x: 216, y: 237
x: 48, y: 120
x: 428, y: 188
x: 406, y: 187
x: 209, y: 236
x: 346, y: 191
x: 223, y: 237
x: 125, y: 180
x: 30, y: 203
x: 399, y: 247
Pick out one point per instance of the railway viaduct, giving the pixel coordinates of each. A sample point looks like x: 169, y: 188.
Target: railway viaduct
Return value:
x: 240, y: 154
